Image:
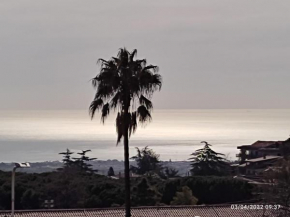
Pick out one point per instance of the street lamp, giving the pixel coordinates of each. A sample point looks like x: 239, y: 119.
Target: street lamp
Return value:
x: 17, y: 165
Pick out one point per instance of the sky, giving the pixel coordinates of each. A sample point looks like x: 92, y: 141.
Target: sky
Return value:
x: 211, y: 54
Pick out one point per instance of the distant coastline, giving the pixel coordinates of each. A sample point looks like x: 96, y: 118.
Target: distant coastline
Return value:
x: 102, y: 166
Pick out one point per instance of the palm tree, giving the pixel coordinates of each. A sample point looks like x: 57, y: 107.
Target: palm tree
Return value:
x: 125, y: 84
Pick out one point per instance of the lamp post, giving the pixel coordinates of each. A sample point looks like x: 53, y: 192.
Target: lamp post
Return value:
x: 17, y: 165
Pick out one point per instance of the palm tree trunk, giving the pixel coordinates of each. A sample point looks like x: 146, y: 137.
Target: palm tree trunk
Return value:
x: 127, y: 169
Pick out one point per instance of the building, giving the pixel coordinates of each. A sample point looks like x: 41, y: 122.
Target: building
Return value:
x: 259, y: 149
x: 257, y: 166
x: 254, y: 159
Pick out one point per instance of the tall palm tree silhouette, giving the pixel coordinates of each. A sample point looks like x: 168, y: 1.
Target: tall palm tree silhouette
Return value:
x: 125, y: 84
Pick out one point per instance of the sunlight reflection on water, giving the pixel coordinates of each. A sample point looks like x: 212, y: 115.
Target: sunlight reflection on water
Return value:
x: 174, y: 134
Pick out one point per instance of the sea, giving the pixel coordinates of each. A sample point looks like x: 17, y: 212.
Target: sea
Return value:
x: 37, y: 136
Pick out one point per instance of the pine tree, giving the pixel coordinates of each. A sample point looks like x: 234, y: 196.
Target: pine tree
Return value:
x: 67, y: 161
x: 206, y: 162
x: 82, y: 162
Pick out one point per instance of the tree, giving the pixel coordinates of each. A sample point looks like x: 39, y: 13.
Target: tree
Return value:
x: 207, y: 162
x: 82, y: 162
x: 125, y: 83
x: 30, y: 199
x: 184, y: 197
x: 147, y: 161
x: 143, y: 194
x: 111, y: 172
x: 67, y: 161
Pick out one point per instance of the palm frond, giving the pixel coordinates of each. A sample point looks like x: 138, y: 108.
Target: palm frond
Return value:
x: 115, y: 100
x: 94, y: 82
x: 149, y: 82
x: 95, y: 105
x: 156, y: 81
x: 133, y: 123
x: 102, y: 62
x: 105, y: 112
x: 146, y: 102
x: 154, y: 68
x: 104, y: 91
x: 143, y: 114
x: 141, y: 62
x: 119, y: 127
x: 123, y: 55
x: 133, y: 54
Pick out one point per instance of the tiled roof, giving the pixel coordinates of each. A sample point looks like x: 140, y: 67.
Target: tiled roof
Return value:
x: 264, y: 144
x: 260, y: 144
x: 169, y: 211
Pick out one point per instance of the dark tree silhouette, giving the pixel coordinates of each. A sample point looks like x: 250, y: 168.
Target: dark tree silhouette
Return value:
x: 206, y: 162
x: 126, y: 84
x: 67, y: 160
x: 144, y: 194
x: 147, y: 161
x: 82, y: 162
x: 111, y: 172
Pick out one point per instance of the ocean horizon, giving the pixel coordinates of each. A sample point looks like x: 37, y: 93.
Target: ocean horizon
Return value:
x: 39, y: 135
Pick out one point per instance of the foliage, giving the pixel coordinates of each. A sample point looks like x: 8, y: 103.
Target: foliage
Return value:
x: 184, y: 197
x: 111, y: 172
x: 82, y: 162
x: 147, y: 162
x: 30, y: 199
x: 207, y: 162
x: 67, y: 161
x: 77, y: 164
x: 278, y: 192
x: 143, y: 194
x: 70, y: 190
x: 208, y: 189
x: 125, y: 83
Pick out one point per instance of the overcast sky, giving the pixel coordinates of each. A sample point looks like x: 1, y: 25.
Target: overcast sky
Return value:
x: 211, y: 54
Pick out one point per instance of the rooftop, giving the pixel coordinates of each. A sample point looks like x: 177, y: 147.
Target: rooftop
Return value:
x: 260, y: 144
